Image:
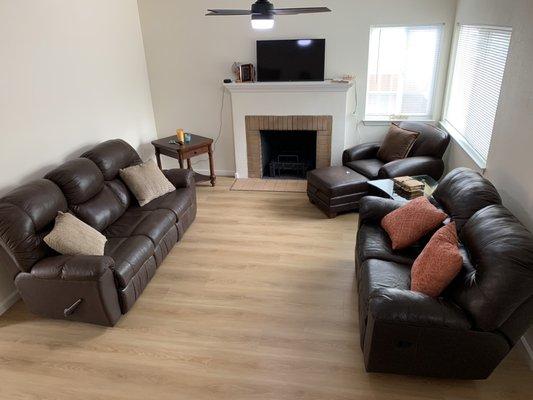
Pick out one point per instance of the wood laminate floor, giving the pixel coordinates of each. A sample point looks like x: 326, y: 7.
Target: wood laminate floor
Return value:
x: 257, y: 302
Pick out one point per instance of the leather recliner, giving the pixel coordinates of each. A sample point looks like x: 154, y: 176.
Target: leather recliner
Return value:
x: 93, y: 289
x: 424, y: 158
x: 472, y: 326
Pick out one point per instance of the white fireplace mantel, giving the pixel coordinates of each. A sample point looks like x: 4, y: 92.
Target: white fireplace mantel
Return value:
x: 292, y: 98
x: 323, y: 86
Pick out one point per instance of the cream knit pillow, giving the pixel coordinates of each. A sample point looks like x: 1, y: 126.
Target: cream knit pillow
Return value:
x: 146, y: 182
x: 73, y: 237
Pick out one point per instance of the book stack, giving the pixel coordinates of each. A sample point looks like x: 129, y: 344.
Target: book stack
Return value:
x: 408, y: 187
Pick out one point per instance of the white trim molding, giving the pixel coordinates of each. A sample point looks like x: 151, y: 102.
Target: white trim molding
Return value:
x: 218, y: 172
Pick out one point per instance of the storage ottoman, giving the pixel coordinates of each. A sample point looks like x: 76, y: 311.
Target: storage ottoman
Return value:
x: 336, y: 189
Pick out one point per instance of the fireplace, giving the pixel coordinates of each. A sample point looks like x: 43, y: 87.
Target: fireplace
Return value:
x: 287, y: 146
x: 287, y: 154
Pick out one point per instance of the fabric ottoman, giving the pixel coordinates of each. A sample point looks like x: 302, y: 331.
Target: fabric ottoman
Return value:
x: 336, y: 189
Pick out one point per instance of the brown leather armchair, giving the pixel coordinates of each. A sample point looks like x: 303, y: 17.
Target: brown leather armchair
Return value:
x: 425, y: 158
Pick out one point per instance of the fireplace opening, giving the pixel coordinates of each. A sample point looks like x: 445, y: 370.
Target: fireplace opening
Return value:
x: 288, y: 154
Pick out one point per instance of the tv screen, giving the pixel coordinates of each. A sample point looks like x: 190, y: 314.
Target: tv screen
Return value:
x: 290, y: 60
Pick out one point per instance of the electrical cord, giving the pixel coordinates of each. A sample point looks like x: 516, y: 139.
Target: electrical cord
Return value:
x: 220, y: 122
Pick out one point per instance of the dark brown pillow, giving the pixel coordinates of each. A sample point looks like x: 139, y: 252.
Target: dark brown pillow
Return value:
x: 397, y: 144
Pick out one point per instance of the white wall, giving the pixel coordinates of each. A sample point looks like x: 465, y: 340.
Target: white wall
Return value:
x: 509, y: 163
x: 72, y: 74
x: 189, y: 54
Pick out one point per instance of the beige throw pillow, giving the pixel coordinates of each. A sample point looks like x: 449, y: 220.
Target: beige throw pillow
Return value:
x: 73, y: 237
x: 146, y: 182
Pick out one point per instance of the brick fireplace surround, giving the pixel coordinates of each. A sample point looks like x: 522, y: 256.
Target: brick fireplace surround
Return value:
x: 255, y: 124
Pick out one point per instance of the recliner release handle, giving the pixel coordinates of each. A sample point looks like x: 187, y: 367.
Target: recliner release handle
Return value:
x: 70, y: 310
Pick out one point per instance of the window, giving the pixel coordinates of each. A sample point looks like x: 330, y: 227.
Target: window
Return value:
x: 474, y: 87
x: 402, y: 72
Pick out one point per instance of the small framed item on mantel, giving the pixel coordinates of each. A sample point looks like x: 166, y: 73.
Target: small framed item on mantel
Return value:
x: 247, y: 72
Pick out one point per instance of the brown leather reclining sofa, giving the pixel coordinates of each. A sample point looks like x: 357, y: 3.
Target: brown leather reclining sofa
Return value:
x: 467, y: 331
x: 94, y: 289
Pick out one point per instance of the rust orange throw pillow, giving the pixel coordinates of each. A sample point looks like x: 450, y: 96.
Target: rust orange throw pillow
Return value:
x: 412, y: 221
x: 438, y: 264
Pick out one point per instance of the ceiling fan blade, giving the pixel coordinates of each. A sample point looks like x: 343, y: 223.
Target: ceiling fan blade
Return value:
x: 303, y: 10
x: 228, y: 12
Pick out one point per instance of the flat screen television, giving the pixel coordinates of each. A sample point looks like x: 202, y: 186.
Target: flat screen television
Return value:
x: 290, y: 60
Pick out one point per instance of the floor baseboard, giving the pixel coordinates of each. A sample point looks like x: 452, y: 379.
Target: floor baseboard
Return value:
x: 218, y: 172
x: 8, y: 301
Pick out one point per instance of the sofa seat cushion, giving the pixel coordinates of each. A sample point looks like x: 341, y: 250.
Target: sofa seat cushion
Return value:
x: 177, y: 201
x: 135, y: 221
x: 374, y: 242
x: 129, y: 253
x: 369, y: 168
x: 379, y: 274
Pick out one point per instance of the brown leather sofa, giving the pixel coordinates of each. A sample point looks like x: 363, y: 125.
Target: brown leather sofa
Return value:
x: 425, y: 157
x: 94, y: 289
x: 467, y: 331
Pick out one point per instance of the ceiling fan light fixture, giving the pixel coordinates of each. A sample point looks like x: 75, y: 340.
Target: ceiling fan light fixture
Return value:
x: 262, y: 22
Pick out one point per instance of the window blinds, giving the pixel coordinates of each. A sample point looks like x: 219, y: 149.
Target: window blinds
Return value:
x: 475, y: 85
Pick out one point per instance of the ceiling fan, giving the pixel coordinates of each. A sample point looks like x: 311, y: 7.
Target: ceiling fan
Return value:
x: 263, y: 13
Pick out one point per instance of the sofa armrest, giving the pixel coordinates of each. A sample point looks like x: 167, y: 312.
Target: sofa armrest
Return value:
x: 73, y: 268
x: 77, y: 288
x: 360, y: 152
x: 407, y: 307
x: 373, y: 209
x: 180, y: 178
x: 431, y: 166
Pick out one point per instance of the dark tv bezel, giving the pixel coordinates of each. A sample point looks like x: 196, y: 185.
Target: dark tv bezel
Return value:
x: 291, y: 40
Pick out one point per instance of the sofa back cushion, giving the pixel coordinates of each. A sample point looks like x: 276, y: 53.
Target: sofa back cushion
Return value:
x: 112, y: 156
x: 463, y: 192
x: 79, y: 180
x: 89, y: 197
x: 431, y: 141
x: 501, y: 250
x: 27, y: 214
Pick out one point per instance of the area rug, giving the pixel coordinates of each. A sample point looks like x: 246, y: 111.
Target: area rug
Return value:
x: 270, y: 185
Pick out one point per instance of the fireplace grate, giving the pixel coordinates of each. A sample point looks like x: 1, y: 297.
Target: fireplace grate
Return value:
x: 288, y: 163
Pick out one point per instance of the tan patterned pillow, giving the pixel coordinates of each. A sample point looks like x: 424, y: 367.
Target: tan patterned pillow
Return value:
x: 411, y: 222
x: 146, y: 182
x: 73, y: 237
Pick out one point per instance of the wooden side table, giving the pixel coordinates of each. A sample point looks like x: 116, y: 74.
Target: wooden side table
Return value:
x: 197, y: 146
